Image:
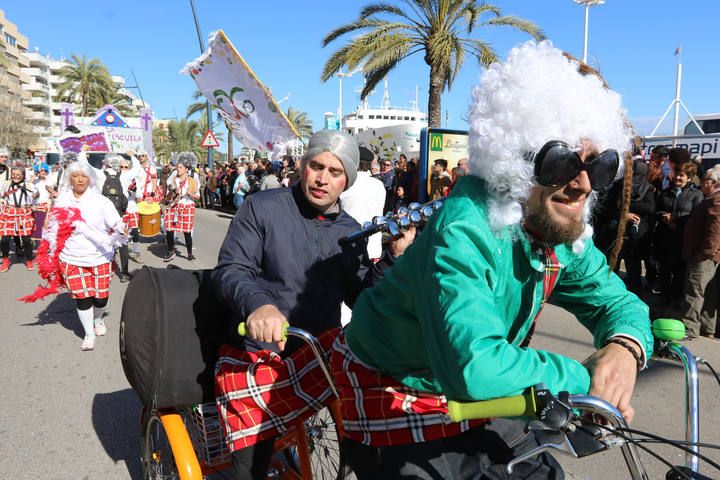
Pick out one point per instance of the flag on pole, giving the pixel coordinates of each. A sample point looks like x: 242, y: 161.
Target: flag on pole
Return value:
x: 229, y: 84
x: 678, y: 50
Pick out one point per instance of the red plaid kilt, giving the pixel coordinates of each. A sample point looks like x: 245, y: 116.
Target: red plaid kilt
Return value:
x: 131, y: 219
x: 379, y: 411
x: 259, y: 395
x: 85, y: 282
x: 180, y: 218
x: 16, y: 221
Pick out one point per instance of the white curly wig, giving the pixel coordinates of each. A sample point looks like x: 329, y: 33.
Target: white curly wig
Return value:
x: 537, y: 95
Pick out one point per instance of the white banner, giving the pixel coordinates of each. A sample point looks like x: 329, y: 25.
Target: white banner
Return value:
x: 227, y: 82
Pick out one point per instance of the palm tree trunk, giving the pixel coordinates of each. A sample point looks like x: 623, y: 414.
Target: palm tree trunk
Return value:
x: 435, y: 99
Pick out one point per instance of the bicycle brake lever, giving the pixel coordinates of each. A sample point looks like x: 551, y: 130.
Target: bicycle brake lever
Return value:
x: 563, y: 445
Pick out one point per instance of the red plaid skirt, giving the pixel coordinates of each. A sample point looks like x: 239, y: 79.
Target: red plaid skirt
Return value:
x: 377, y: 410
x: 85, y: 282
x: 16, y: 221
x: 131, y: 219
x: 259, y: 395
x: 180, y: 218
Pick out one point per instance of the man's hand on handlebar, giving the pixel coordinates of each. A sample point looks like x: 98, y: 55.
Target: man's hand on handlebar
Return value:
x: 265, y: 325
x: 613, y: 371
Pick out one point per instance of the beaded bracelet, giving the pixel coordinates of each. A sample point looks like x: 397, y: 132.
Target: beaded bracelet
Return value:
x: 629, y: 348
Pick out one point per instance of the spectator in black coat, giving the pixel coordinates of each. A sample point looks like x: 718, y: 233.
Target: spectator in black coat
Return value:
x: 673, y: 206
x: 640, y: 220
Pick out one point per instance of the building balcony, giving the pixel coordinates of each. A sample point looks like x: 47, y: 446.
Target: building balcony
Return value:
x: 33, y: 72
x: 37, y: 102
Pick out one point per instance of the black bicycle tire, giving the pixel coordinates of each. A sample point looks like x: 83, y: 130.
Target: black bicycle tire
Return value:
x: 146, y: 437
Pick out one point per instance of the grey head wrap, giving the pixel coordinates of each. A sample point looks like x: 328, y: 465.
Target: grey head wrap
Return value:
x: 112, y: 160
x: 342, y: 145
x: 188, y: 159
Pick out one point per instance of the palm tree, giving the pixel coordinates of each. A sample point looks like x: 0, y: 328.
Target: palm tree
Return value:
x: 199, y: 107
x: 161, y: 143
x: 439, y: 29
x: 300, y: 121
x: 86, y: 81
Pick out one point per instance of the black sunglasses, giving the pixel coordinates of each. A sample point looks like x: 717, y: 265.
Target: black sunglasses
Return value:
x: 557, y: 164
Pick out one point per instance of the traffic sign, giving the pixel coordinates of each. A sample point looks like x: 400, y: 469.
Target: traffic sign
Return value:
x: 209, y: 141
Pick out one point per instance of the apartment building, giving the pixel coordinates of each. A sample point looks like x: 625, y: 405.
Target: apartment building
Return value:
x: 15, y: 114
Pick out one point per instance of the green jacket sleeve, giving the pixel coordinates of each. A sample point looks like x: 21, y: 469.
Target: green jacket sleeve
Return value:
x: 465, y: 332
x: 599, y: 299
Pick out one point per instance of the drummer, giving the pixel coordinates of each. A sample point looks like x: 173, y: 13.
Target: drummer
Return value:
x: 147, y: 187
x: 41, y: 198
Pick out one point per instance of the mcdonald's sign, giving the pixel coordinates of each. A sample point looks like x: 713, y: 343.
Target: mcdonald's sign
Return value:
x: 436, y: 142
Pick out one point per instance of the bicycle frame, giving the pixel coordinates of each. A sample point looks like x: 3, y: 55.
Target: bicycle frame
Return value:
x: 692, y: 408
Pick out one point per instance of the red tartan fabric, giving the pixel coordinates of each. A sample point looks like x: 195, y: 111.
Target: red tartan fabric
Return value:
x: 16, y: 221
x: 259, y: 395
x: 379, y: 411
x: 131, y: 219
x: 85, y: 282
x: 551, y: 271
x: 180, y: 218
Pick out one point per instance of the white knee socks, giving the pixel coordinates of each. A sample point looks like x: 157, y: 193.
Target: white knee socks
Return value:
x: 86, y: 318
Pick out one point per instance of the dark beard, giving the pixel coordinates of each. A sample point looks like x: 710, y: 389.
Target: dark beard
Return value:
x: 553, y: 233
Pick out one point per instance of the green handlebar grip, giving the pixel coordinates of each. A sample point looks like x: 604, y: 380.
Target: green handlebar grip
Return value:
x: 668, y: 329
x: 242, y: 330
x: 517, y: 406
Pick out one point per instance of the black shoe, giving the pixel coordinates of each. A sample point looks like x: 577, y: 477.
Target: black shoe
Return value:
x: 191, y: 257
x: 170, y: 255
x: 125, y: 277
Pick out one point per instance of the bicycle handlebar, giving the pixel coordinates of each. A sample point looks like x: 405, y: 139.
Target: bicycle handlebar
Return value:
x: 242, y: 330
x: 515, y: 406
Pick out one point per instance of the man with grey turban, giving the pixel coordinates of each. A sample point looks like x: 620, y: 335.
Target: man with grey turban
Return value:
x: 182, y: 191
x: 281, y: 261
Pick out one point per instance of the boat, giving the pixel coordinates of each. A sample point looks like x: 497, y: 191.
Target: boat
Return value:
x: 386, y: 130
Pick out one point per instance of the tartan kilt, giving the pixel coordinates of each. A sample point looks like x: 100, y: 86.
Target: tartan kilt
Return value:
x: 131, y: 219
x: 260, y: 395
x: 379, y: 411
x: 85, y: 282
x: 180, y: 218
x: 16, y: 221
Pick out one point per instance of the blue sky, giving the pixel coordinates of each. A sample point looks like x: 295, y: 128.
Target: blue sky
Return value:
x: 632, y: 43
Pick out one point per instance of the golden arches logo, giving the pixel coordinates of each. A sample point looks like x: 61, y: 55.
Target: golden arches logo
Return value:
x: 436, y: 142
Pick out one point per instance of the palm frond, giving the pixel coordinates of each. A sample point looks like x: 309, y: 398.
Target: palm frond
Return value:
x: 519, y: 24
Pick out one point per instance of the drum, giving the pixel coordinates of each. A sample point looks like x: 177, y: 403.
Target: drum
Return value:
x: 149, y: 219
x: 39, y: 223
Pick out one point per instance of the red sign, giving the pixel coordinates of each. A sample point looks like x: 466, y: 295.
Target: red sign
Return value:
x: 209, y: 141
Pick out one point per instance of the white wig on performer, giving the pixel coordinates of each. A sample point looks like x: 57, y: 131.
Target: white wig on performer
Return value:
x: 535, y: 96
x: 79, y: 166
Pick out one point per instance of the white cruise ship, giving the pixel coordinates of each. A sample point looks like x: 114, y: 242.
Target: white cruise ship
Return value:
x: 388, y: 131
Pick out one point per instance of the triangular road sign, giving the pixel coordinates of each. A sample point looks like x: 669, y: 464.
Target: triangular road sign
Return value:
x: 209, y: 141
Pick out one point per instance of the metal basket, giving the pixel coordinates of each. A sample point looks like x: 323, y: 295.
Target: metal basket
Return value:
x: 203, y: 424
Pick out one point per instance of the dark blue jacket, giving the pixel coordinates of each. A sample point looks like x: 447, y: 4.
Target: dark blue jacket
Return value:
x: 279, y: 251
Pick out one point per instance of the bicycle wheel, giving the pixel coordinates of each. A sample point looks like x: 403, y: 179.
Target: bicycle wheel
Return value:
x: 326, y: 457
x: 158, y: 460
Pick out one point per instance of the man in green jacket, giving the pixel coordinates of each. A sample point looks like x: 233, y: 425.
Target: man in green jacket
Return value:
x: 452, y: 318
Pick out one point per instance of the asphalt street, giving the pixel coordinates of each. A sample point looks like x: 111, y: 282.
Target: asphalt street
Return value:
x: 67, y: 414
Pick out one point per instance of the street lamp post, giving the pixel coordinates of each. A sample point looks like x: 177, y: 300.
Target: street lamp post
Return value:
x: 211, y: 152
x: 588, y: 4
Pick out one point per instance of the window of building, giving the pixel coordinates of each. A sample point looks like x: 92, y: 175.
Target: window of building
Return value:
x: 10, y: 39
x: 406, y: 118
x: 385, y: 117
x: 371, y: 117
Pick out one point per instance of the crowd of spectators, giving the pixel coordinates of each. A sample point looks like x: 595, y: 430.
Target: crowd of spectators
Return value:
x: 671, y: 240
